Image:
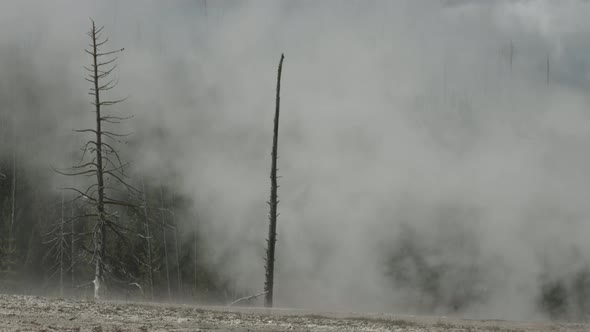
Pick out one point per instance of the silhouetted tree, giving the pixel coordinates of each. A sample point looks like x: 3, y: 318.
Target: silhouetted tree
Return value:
x: 165, y: 242
x: 8, y: 251
x: 272, y: 227
x: 57, y: 237
x: 176, y: 252
x: 148, y: 238
x: 101, y: 160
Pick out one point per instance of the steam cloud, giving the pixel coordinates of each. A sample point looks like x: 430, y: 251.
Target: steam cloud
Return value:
x: 420, y: 171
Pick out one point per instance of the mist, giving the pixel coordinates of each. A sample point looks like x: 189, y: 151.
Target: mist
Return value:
x: 427, y: 166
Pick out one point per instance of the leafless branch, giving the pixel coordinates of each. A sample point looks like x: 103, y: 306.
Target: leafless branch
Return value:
x: 246, y: 298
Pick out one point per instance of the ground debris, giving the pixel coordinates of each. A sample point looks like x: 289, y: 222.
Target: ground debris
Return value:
x: 27, y: 313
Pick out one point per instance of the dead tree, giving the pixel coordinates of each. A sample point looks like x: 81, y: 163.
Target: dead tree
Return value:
x: 511, y: 55
x: 57, y: 237
x: 13, y: 208
x: 100, y: 160
x: 547, y: 70
x: 165, y: 244
x: 72, y: 245
x: 148, y: 238
x: 8, y: 250
x: 174, y: 225
x: 62, y: 247
x: 273, y: 203
x: 62, y: 244
x: 177, y: 253
x: 195, y: 257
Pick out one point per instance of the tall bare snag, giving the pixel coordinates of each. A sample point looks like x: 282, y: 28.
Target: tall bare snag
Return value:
x: 100, y: 160
x: 273, y: 203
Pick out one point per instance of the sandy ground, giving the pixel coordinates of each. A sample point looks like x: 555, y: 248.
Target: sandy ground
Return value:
x: 29, y: 313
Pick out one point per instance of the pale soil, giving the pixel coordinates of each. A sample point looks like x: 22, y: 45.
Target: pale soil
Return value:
x: 28, y: 313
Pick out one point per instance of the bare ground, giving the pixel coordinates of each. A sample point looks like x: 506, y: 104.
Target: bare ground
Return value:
x: 29, y: 313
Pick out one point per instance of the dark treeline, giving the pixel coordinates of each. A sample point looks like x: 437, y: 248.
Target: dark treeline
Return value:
x: 44, y: 250
x: 47, y: 230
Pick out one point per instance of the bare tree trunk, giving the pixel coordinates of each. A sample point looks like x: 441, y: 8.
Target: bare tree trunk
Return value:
x: 195, y: 260
x: 72, y: 246
x: 9, y: 249
x: 272, y: 228
x: 99, y: 234
x: 105, y: 160
x: 176, y: 252
x: 511, y: 55
x: 164, y: 227
x: 149, y: 240
x: 13, y: 208
x: 166, y: 262
x: 99, y: 255
x: 547, y: 70
x: 62, y: 238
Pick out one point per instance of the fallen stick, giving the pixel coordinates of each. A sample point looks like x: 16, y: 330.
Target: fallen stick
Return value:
x: 136, y: 285
x: 246, y: 298
x: 84, y: 285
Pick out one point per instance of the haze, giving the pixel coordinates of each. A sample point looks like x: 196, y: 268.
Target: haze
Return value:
x: 420, y: 140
